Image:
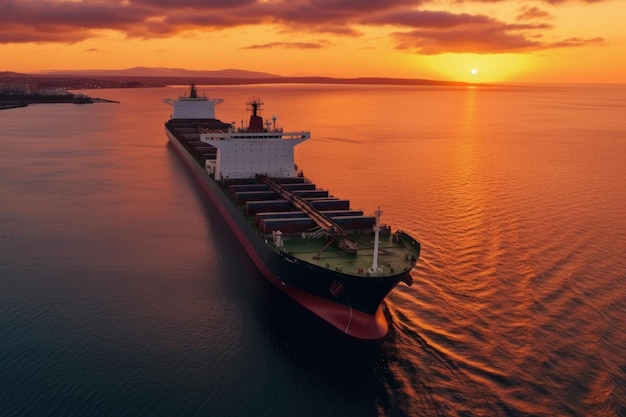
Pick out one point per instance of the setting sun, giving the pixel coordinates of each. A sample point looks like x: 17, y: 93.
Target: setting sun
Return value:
x: 473, y: 71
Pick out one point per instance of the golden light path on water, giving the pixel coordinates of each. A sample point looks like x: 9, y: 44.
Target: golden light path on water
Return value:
x: 515, y: 203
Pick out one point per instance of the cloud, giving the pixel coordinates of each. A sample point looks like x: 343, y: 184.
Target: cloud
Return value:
x: 195, y: 4
x: 532, y: 13
x: 428, y: 19
x: 439, y: 32
x: 573, y: 1
x: 576, y: 42
x: 478, y: 40
x: 555, y: 2
x: 410, y: 24
x: 288, y: 45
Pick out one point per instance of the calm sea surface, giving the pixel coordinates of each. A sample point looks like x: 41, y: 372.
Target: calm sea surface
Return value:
x: 122, y: 293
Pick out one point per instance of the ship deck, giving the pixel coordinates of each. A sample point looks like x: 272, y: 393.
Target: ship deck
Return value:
x: 187, y: 132
x: 393, y: 257
x: 269, y: 212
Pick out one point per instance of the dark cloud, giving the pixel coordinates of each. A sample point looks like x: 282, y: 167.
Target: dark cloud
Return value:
x: 357, y: 6
x: 412, y: 27
x: 428, y: 19
x: 195, y: 4
x: 70, y: 14
x: 485, y: 40
x: 476, y: 40
x: 438, y: 32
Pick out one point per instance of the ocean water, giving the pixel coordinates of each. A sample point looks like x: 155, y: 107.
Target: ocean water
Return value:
x: 122, y: 293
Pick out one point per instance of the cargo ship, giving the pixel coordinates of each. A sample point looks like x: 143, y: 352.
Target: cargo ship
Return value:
x: 337, y: 262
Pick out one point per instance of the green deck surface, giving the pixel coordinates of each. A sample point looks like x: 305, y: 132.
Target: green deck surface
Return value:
x: 393, y: 257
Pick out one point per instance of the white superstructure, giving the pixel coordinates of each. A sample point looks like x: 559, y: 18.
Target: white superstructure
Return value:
x: 242, y: 153
x: 245, y: 155
x: 193, y: 107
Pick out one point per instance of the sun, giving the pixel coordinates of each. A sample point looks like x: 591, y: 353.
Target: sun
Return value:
x: 473, y: 71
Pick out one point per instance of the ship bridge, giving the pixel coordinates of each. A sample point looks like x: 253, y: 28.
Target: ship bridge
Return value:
x: 193, y: 106
x: 330, y: 227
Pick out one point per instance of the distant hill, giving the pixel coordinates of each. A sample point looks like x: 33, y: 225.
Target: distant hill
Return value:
x: 158, y: 77
x: 161, y: 72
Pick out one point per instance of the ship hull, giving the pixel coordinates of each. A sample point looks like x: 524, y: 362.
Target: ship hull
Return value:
x: 356, y: 311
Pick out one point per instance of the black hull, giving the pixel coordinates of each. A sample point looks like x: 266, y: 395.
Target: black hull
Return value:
x: 355, y: 308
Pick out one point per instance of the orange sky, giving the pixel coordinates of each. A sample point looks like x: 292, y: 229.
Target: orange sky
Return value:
x: 503, y: 40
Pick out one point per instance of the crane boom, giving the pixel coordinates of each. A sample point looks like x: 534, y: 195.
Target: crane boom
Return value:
x: 323, y: 221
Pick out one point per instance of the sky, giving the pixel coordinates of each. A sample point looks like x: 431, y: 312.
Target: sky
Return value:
x: 518, y: 41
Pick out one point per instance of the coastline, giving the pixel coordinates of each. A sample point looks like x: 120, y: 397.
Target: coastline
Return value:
x: 86, y: 82
x: 13, y: 101
x: 7, y: 106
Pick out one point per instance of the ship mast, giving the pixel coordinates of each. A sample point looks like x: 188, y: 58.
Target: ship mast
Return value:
x: 256, y: 121
x: 375, y: 269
